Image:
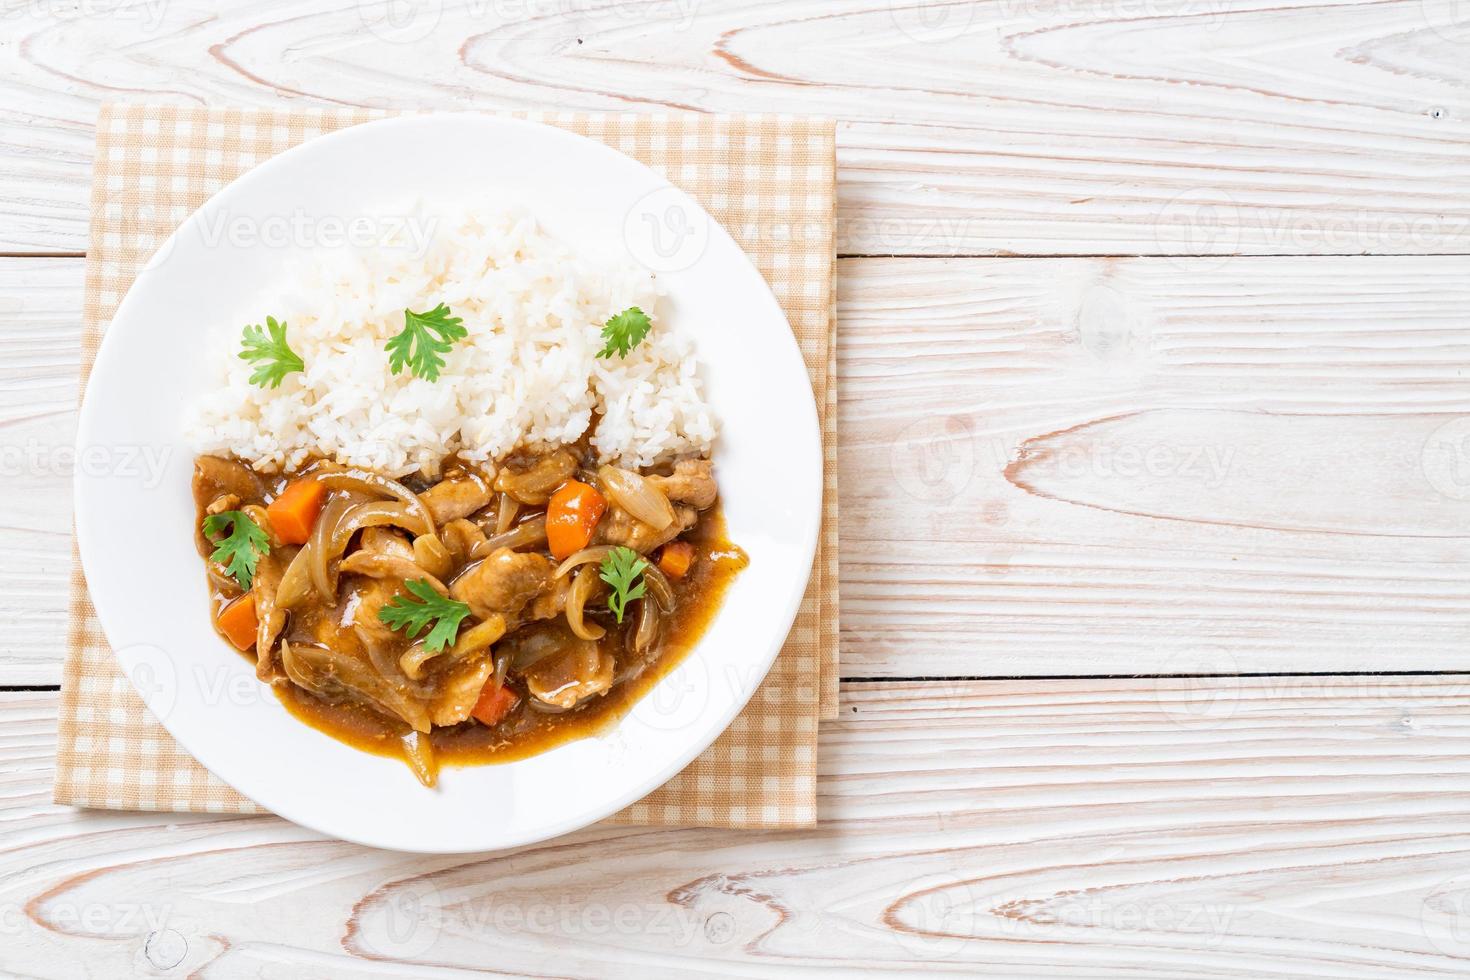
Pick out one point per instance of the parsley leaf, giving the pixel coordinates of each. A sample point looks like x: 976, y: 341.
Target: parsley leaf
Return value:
x: 619, y: 569
x: 272, y: 356
x: 402, y: 613
x: 425, y: 336
x: 624, y: 332
x: 240, y: 550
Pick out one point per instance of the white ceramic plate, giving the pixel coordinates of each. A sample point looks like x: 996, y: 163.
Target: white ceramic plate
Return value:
x: 135, y: 518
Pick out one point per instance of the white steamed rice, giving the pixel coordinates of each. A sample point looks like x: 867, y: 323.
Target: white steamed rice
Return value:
x: 527, y: 373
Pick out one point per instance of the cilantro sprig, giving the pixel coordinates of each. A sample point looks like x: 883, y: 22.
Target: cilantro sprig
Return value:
x: 268, y: 351
x: 624, y: 331
x: 402, y: 613
x: 620, y: 569
x: 425, y: 336
x: 240, y: 550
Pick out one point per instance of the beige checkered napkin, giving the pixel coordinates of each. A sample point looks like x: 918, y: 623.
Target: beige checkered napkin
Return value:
x: 768, y: 179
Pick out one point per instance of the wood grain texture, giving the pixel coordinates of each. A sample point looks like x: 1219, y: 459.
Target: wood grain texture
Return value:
x: 1014, y: 127
x: 1143, y: 466
x: 1070, y: 466
x: 40, y: 331
x: 1276, y: 827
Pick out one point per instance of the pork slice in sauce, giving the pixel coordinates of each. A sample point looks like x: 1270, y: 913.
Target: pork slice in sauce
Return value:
x: 460, y: 690
x: 503, y: 583
x: 619, y: 528
x: 692, y: 483
x: 459, y: 496
x: 533, y: 479
x: 268, y: 571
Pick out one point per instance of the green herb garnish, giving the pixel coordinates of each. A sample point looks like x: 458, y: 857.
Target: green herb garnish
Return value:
x: 272, y: 356
x: 425, y: 336
x: 624, y: 332
x: 240, y: 550
x: 619, y: 569
x: 403, y: 613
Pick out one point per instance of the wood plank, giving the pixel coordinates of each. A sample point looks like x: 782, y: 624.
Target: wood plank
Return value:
x: 1264, y: 827
x: 968, y: 127
x: 1052, y: 467
x: 1129, y: 466
x: 40, y: 335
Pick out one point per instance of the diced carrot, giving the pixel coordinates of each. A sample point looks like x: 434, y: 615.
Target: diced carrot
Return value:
x: 572, y: 516
x: 293, y: 513
x: 238, y: 623
x: 496, y: 701
x: 676, y: 559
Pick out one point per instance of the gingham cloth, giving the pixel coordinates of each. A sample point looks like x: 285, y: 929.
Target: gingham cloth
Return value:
x: 768, y: 179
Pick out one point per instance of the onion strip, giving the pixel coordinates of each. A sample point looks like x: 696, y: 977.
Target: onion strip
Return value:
x: 524, y: 535
x: 596, y: 553
x: 357, y: 479
x: 647, y: 630
x: 637, y: 495
x: 506, y: 512
x: 582, y: 585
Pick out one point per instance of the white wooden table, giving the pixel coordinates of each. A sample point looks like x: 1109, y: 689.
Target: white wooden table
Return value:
x: 1155, y: 326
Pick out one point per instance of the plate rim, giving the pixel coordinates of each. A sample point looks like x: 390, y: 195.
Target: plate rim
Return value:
x: 92, y: 547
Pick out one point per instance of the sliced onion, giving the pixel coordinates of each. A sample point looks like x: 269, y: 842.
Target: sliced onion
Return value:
x: 473, y: 640
x: 374, y: 513
x: 390, y: 672
x: 375, y: 564
x: 430, y: 554
x: 479, y: 636
x: 316, y: 545
x: 418, y: 751
x: 295, y: 583
x: 637, y: 495
x: 502, y: 666
x: 460, y: 538
x: 262, y: 520
x: 647, y: 630
x: 582, y: 585
x: 373, y: 483
x: 596, y: 553
x: 505, y: 513
x: 524, y: 535
x: 659, y: 587
x: 330, y: 674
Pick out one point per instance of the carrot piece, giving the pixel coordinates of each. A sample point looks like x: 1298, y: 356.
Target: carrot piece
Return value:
x: 238, y: 622
x: 496, y: 701
x: 676, y: 559
x: 571, y: 517
x: 293, y: 513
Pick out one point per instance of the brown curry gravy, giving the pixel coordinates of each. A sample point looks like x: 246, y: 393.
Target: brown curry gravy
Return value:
x: 527, y: 732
